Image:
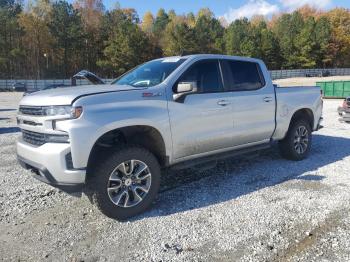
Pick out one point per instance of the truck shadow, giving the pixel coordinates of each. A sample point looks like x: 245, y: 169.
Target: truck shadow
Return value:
x: 190, y: 189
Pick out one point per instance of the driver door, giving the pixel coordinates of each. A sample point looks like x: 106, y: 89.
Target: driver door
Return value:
x: 201, y: 122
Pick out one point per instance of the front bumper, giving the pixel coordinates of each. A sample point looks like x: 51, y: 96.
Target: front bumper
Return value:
x: 48, y: 163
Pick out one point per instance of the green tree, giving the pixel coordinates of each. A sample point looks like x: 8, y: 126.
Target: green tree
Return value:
x: 252, y: 42
x: 270, y: 49
x: 131, y: 15
x: 11, y: 49
x: 287, y: 29
x: 305, y: 55
x: 323, y: 36
x: 92, y: 14
x: 37, y: 38
x: 179, y: 38
x: 127, y: 47
x: 147, y: 23
x: 171, y: 14
x: 85, y: 35
x: 339, y: 49
x: 208, y: 34
x: 191, y: 20
x: 205, y: 12
x: 161, y: 22
x: 235, y: 35
x: 66, y: 27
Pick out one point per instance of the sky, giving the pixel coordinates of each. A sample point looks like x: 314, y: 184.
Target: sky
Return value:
x: 230, y: 9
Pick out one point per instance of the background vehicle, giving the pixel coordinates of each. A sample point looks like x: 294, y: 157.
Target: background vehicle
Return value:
x: 171, y: 112
x: 84, y: 74
x: 324, y: 73
x: 91, y: 77
x: 344, y: 110
x: 19, y: 87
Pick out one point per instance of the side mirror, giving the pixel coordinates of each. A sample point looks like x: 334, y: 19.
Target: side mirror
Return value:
x: 183, y: 88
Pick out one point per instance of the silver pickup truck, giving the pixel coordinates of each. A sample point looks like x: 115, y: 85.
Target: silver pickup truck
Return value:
x: 171, y: 112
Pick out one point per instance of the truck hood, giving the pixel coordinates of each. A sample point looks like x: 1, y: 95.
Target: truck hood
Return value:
x: 66, y: 95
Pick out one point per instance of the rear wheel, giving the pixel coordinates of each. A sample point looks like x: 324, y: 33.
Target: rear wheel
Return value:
x: 297, y: 143
x: 126, y: 182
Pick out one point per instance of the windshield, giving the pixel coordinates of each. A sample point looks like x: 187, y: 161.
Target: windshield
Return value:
x: 151, y: 73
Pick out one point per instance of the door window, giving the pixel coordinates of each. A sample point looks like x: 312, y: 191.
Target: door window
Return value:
x: 206, y: 74
x: 242, y: 75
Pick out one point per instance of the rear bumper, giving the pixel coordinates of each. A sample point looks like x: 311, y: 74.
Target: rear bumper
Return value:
x: 49, y: 165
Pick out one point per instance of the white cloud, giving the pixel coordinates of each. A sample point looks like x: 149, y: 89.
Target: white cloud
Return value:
x: 263, y: 7
x: 291, y: 5
x: 253, y: 7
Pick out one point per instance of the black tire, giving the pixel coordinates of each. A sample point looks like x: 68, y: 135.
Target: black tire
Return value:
x: 287, y: 146
x: 100, y: 181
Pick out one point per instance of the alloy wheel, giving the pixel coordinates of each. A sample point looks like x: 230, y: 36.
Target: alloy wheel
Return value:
x: 129, y: 183
x: 301, y: 139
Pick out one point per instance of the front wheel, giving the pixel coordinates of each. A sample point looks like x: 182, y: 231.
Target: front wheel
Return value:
x: 126, y: 182
x: 297, y: 143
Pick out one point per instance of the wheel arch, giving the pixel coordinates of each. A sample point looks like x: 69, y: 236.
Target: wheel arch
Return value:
x: 303, y: 113
x: 142, y: 135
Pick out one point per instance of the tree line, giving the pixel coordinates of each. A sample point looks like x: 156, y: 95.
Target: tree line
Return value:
x: 46, y: 39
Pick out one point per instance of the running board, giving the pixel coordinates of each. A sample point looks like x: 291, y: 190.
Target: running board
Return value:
x: 219, y: 156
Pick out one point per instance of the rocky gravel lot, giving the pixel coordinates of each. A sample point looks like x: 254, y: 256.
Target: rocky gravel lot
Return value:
x: 258, y: 208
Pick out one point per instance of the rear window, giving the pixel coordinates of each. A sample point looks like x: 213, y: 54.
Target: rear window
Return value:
x: 243, y: 76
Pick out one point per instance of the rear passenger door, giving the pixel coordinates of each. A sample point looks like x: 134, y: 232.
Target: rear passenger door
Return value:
x: 253, y: 101
x: 202, y: 121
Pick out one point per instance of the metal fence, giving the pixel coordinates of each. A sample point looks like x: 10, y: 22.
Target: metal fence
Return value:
x: 6, y: 85
x: 275, y: 74
x: 280, y: 74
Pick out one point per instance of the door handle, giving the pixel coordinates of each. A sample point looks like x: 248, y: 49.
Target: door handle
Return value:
x: 267, y: 99
x: 223, y: 103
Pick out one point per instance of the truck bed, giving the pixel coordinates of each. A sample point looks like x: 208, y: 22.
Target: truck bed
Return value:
x: 291, y: 99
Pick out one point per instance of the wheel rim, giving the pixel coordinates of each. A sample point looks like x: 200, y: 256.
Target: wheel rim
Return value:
x: 129, y: 183
x: 301, y: 139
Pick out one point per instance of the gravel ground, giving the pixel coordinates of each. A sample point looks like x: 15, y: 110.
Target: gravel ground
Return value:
x: 308, y: 81
x: 261, y: 208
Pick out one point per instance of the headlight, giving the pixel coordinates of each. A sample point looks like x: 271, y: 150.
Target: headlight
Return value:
x: 57, y: 110
x: 69, y: 111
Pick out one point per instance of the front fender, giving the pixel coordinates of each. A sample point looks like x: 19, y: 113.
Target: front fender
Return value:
x: 98, y: 119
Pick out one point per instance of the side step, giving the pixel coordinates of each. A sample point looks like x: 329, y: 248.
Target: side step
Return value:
x: 220, y: 156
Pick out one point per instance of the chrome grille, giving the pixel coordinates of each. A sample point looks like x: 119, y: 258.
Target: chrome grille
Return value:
x: 31, y: 110
x: 33, y: 138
